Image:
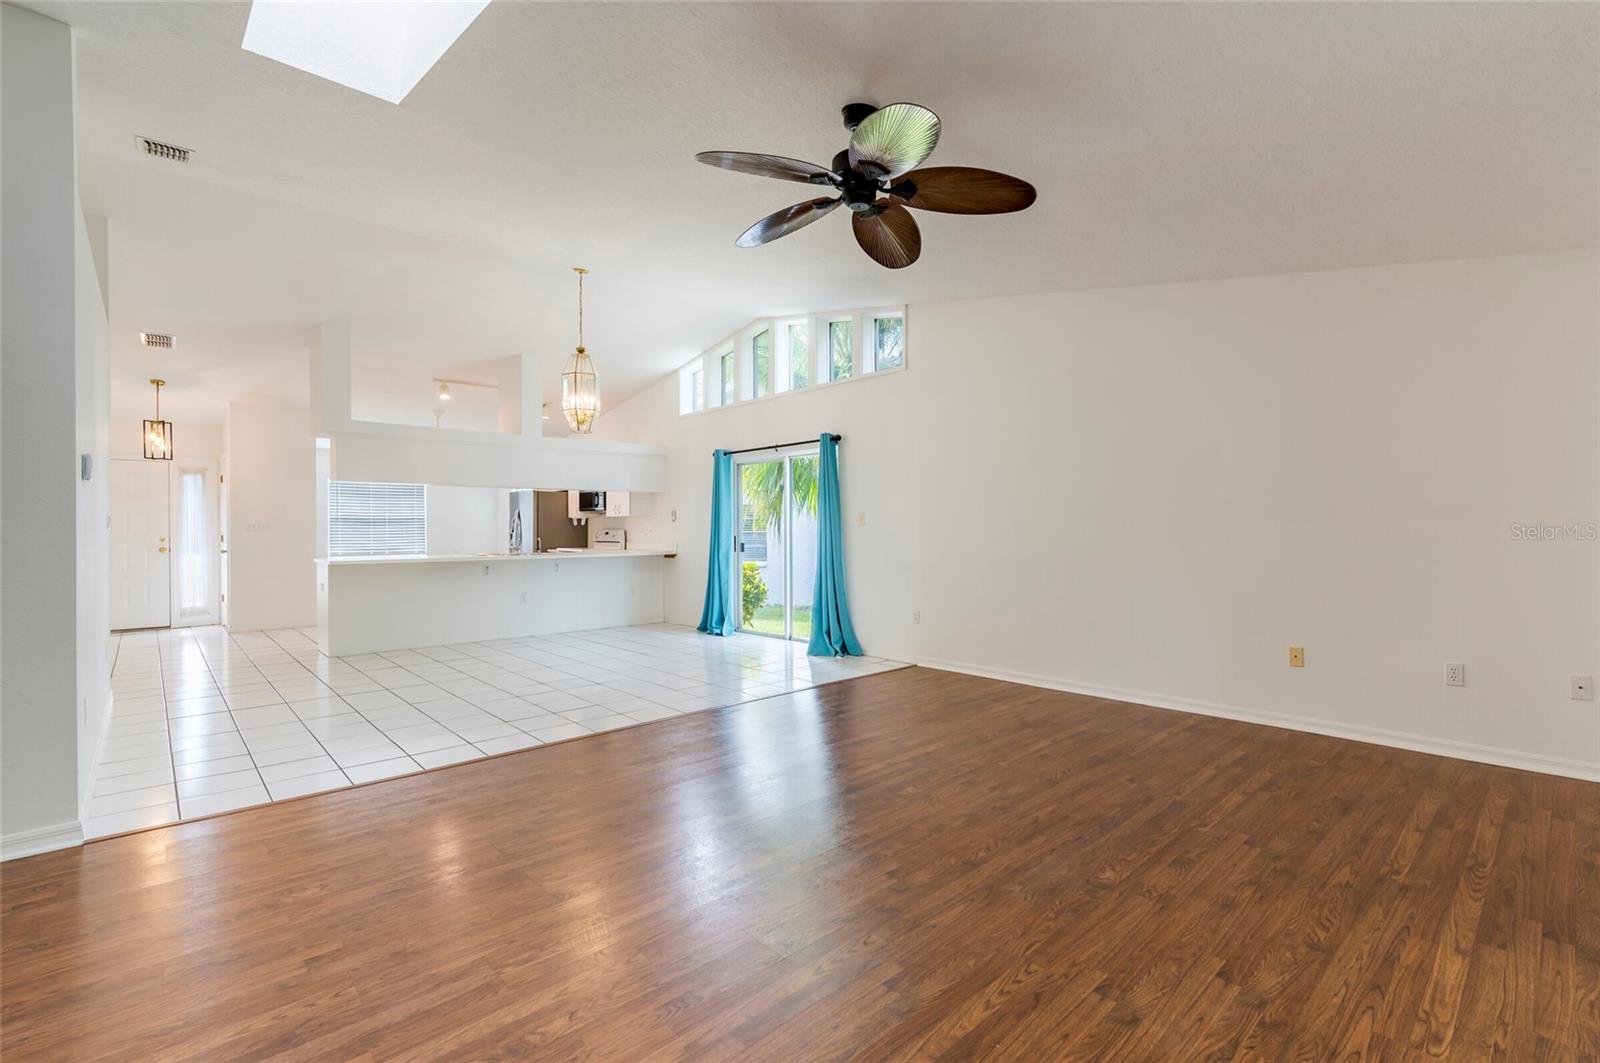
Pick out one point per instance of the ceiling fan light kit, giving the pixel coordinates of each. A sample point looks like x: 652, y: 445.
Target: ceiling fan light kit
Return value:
x: 876, y: 180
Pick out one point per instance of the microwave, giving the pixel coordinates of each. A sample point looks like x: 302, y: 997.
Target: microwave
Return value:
x: 591, y: 501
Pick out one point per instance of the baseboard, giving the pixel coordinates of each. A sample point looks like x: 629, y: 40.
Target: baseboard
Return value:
x: 1505, y: 758
x: 41, y: 840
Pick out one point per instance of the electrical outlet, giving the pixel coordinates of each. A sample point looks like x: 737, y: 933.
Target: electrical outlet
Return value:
x: 522, y: 598
x: 1297, y: 656
x: 861, y: 520
x: 1455, y: 674
x: 916, y: 617
x: 1582, y: 687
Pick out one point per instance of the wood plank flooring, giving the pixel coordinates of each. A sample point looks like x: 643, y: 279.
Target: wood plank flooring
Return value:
x: 915, y: 865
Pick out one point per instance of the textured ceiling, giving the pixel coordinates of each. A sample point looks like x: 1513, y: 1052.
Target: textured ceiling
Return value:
x: 1168, y: 142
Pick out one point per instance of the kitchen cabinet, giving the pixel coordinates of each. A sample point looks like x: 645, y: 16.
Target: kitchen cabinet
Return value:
x: 618, y: 504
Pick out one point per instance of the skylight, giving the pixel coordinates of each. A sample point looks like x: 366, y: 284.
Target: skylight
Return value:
x: 380, y: 47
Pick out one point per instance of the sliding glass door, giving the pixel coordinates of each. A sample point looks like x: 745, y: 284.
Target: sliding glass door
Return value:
x: 777, y: 543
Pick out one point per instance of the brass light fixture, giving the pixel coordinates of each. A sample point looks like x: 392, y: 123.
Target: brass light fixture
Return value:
x: 158, y: 433
x: 580, y: 387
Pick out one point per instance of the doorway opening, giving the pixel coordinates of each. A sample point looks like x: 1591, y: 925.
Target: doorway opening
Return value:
x: 776, y: 543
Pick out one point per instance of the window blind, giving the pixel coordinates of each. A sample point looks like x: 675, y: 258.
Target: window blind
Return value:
x: 368, y: 520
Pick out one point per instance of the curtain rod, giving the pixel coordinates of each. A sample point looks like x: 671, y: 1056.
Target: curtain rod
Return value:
x: 779, y: 446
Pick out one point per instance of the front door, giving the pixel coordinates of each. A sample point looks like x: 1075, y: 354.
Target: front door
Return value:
x: 141, y: 574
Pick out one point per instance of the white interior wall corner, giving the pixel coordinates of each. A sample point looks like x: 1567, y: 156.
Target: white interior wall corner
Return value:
x: 43, y: 508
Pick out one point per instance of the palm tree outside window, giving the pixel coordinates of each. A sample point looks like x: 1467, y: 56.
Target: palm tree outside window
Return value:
x: 841, y: 348
x: 761, y: 363
x: 799, y: 357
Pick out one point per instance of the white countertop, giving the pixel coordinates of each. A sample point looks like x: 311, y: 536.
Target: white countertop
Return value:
x: 550, y: 555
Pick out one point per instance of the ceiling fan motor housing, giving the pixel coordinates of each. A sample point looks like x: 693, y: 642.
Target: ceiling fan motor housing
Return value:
x: 855, y: 113
x: 859, y: 190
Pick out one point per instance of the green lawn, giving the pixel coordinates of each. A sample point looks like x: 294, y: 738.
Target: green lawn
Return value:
x: 769, y: 621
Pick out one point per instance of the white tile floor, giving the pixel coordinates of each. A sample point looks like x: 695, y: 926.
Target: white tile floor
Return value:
x: 206, y: 722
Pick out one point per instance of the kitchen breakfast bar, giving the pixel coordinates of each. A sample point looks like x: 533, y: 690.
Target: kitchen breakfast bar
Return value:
x: 371, y: 604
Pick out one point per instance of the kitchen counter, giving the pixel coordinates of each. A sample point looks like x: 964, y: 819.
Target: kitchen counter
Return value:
x: 548, y: 555
x: 372, y: 604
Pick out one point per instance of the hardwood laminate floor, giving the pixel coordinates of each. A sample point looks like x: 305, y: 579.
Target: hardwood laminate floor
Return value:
x: 913, y: 865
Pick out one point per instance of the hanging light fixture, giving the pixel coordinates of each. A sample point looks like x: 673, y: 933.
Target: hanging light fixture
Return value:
x: 580, y: 387
x: 158, y: 433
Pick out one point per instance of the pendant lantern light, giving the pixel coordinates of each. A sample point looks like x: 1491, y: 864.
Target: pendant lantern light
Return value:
x: 580, y: 387
x: 158, y: 433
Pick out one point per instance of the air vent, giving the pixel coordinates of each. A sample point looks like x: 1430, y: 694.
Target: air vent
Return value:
x: 169, y: 152
x: 157, y: 339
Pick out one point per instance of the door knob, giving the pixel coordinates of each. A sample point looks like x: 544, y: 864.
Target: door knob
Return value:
x: 162, y: 549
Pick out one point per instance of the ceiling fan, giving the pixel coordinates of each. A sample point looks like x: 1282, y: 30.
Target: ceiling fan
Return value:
x: 876, y: 177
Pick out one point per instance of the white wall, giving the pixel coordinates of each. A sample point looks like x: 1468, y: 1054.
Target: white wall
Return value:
x: 465, y: 520
x: 40, y: 493
x: 93, y: 368
x: 404, y: 454
x: 1190, y: 478
x: 272, y: 517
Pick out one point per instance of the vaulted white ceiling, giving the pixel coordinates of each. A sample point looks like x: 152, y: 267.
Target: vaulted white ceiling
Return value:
x: 1167, y: 142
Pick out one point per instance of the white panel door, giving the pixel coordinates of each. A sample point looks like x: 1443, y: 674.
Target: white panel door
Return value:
x: 141, y: 559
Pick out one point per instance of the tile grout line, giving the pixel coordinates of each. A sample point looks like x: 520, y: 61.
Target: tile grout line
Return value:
x: 226, y: 707
x: 334, y: 693
x: 166, y: 726
x: 161, y: 680
x: 439, y: 723
x: 336, y: 765
x: 514, y: 726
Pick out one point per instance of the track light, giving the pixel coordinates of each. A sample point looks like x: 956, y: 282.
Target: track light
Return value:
x: 444, y: 383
